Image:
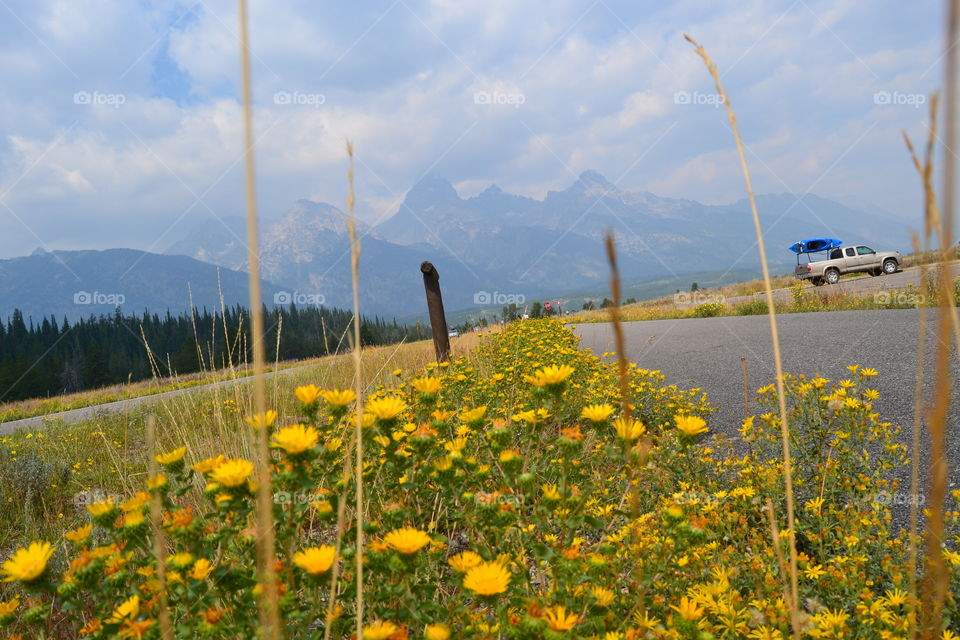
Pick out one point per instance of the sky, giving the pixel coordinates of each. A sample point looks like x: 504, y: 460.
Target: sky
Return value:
x: 122, y: 122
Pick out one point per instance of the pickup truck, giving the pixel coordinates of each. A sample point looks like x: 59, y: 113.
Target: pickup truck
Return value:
x: 855, y: 259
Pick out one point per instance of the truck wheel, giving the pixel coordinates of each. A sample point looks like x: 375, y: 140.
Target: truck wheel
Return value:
x: 889, y: 266
x: 832, y: 276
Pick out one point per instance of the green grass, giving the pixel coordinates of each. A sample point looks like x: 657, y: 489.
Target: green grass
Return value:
x: 805, y: 298
x: 44, y: 473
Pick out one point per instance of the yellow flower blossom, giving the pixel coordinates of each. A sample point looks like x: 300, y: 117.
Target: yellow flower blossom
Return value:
x: 407, y: 540
x: 172, y: 457
x: 295, y: 439
x: 550, y: 376
x: 487, y: 579
x: 262, y: 420
x: 232, y: 473
x: 386, y: 408
x: 379, y: 630
x: 26, y: 565
x: 307, y: 394
x: 628, y: 429
x: 316, y: 560
x: 428, y: 385
x: 690, y: 425
x: 597, y: 412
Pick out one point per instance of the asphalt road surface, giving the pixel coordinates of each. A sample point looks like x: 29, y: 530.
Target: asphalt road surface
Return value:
x: 706, y: 352
x: 83, y: 414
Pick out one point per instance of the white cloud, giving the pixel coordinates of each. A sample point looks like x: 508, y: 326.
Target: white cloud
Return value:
x: 573, y: 85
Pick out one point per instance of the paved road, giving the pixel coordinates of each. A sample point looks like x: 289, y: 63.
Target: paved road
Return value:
x: 74, y: 416
x: 705, y: 353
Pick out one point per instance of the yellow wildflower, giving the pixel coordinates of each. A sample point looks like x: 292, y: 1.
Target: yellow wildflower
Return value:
x: 307, y: 394
x: 201, y: 569
x: 487, y: 579
x: 261, y: 420
x: 550, y: 376
x: 338, y: 397
x: 691, y: 425
x: 26, y: 565
x: 428, y: 385
x: 559, y: 620
x: 379, y: 630
x: 597, y: 412
x: 629, y: 429
x: 232, y: 473
x: 406, y: 540
x: 437, y: 631
x: 386, y: 408
x: 464, y: 561
x: 172, y: 457
x: 295, y: 439
x: 316, y: 560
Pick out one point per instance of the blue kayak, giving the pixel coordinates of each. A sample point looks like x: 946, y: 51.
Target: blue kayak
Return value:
x: 815, y: 244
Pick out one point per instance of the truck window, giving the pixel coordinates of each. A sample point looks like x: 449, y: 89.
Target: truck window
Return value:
x: 850, y: 252
x: 865, y: 251
x: 835, y: 254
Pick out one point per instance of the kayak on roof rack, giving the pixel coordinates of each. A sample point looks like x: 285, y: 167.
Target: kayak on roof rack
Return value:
x: 813, y: 245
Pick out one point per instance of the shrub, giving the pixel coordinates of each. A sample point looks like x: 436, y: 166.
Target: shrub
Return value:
x: 756, y: 307
x: 708, y: 310
x: 507, y: 498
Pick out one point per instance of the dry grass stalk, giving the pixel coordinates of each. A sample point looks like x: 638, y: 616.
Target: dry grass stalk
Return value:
x: 931, y: 219
x: 778, y: 363
x: 642, y: 448
x: 269, y: 605
x: 935, y: 582
x: 357, y: 383
x: 775, y: 540
x: 159, y: 551
x: 619, y: 342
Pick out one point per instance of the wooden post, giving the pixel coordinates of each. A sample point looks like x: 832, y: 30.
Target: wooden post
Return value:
x: 438, y: 322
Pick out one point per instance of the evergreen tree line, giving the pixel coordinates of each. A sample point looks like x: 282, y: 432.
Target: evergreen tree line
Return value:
x: 51, y: 357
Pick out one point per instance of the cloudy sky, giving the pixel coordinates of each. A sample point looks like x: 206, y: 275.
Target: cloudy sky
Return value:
x: 121, y: 120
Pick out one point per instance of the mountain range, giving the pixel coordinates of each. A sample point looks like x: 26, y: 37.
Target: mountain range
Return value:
x: 486, y: 248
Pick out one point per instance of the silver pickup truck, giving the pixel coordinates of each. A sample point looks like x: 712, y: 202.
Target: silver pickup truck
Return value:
x: 855, y: 259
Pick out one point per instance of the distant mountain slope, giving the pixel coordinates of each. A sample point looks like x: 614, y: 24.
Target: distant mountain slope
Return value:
x: 308, y: 251
x: 500, y: 242
x: 557, y: 242
x: 80, y: 283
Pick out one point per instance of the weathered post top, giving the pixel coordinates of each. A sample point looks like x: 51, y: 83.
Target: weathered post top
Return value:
x: 438, y: 321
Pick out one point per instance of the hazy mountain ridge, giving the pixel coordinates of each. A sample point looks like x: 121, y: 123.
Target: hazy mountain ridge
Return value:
x: 82, y: 283
x: 494, y: 241
x: 498, y: 241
